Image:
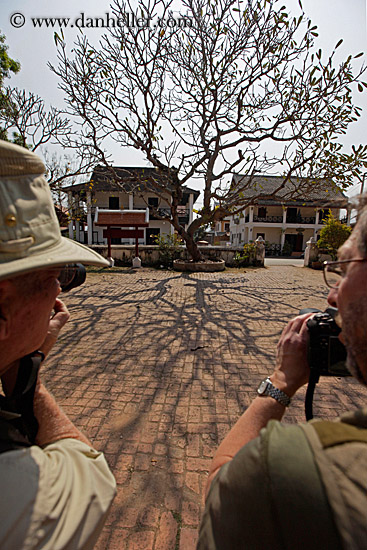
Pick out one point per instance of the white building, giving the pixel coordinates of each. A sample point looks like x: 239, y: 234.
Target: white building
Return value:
x: 130, y: 192
x: 281, y: 221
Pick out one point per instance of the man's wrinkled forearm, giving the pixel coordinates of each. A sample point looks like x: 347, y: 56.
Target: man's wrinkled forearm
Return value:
x: 247, y: 428
x: 53, y: 422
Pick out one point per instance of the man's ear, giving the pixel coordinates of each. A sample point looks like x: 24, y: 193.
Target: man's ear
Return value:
x: 5, y: 309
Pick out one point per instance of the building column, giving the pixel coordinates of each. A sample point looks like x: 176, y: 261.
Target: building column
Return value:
x: 349, y: 212
x: 131, y: 207
x: 284, y: 227
x: 89, y: 218
x: 250, y: 225
x: 191, y: 206
x: 317, y: 221
x: 71, y: 221
x: 282, y: 239
x: 77, y: 222
x: 77, y: 231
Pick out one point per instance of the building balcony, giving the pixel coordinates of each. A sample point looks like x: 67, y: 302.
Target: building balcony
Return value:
x: 268, y: 219
x: 300, y: 220
x: 158, y: 213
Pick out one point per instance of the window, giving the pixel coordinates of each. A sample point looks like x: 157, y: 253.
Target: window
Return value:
x: 291, y: 215
x: 226, y: 227
x: 261, y: 212
x: 323, y: 214
x: 153, y: 201
x: 113, y: 203
x: 260, y: 235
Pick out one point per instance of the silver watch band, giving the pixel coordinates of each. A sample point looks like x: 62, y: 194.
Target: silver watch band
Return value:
x: 267, y: 388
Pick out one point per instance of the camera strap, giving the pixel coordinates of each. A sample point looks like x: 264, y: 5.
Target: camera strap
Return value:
x: 18, y: 425
x: 313, y: 380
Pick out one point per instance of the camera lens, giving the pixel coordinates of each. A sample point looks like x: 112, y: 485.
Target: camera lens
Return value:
x: 71, y: 276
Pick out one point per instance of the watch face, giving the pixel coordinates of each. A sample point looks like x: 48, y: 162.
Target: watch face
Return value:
x: 262, y: 387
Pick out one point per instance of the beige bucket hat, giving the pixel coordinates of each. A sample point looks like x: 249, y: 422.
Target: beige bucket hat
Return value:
x: 30, y: 236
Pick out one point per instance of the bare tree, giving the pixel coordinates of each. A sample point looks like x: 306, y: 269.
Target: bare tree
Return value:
x: 32, y: 125
x: 210, y: 92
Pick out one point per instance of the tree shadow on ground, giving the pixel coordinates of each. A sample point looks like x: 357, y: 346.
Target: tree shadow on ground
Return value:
x: 157, y: 366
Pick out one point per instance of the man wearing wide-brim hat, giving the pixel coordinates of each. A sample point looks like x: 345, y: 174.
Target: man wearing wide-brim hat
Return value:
x: 56, y: 489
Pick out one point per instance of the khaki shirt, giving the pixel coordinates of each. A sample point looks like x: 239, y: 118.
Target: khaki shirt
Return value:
x: 269, y: 497
x: 53, y: 498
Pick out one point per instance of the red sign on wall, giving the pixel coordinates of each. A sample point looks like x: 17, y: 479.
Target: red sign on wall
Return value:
x: 116, y: 233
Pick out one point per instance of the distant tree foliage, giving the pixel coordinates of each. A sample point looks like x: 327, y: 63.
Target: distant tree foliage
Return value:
x: 7, y: 66
x: 210, y: 92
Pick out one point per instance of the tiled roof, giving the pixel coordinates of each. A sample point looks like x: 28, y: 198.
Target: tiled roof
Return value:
x: 103, y: 180
x: 296, y: 190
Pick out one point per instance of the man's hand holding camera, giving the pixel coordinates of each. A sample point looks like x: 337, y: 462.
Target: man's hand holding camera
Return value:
x: 58, y: 320
x: 292, y: 370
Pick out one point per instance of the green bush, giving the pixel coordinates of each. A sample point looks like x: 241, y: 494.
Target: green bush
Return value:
x: 333, y: 235
x: 248, y: 257
x: 168, y: 248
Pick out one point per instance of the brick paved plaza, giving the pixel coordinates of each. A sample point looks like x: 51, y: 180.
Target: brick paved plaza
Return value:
x: 156, y: 366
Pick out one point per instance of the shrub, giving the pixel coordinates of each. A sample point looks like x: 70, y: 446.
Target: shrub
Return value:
x: 333, y: 235
x: 248, y: 256
x: 168, y: 248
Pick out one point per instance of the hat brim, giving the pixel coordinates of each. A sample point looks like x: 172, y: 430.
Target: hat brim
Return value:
x: 65, y: 252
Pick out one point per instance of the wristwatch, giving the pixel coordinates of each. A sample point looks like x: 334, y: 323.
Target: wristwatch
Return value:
x: 266, y: 388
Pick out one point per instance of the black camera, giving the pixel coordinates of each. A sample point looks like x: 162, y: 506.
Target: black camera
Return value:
x: 326, y: 354
x: 71, y: 276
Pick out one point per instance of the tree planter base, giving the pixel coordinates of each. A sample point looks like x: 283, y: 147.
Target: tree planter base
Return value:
x: 206, y: 266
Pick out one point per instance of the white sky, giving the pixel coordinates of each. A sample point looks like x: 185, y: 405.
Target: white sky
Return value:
x: 34, y: 47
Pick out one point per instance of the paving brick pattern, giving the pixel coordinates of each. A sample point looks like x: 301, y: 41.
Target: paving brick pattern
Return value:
x: 156, y: 366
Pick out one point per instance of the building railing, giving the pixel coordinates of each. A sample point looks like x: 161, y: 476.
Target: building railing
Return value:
x: 268, y: 219
x: 301, y: 219
x: 289, y: 219
x: 272, y: 249
x: 183, y: 213
x: 157, y: 213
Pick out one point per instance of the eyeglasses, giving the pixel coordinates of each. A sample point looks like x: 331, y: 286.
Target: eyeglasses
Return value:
x: 334, y: 273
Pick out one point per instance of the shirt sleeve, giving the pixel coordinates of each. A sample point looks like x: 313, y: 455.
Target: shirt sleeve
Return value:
x: 238, y: 512
x: 64, y: 505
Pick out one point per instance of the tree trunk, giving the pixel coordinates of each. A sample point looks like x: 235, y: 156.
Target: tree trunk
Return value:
x: 192, y: 248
